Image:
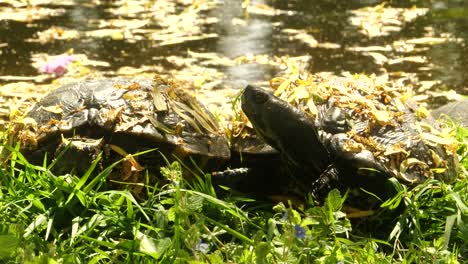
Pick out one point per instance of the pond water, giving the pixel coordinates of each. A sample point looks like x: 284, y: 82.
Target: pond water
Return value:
x: 223, y: 45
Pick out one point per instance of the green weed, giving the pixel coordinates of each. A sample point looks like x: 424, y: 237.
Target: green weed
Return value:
x: 48, y: 218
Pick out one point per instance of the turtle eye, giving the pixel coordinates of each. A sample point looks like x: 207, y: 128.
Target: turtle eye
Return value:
x: 260, y: 98
x: 255, y: 95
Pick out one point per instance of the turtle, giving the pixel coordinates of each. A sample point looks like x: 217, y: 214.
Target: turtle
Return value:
x: 75, y: 123
x: 350, y: 132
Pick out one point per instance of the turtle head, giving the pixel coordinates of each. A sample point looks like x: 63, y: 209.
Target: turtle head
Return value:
x: 255, y: 104
x: 285, y: 127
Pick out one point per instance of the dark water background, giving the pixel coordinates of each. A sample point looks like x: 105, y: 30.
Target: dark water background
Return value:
x: 327, y: 20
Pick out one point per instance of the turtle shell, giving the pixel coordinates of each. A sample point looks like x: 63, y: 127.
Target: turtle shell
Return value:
x: 129, y: 115
x: 379, y: 127
x: 352, y: 127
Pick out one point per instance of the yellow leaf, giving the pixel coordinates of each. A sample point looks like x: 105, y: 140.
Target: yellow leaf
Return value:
x: 438, y: 170
x: 396, y: 149
x: 299, y: 92
x: 117, y: 35
x: 198, y: 82
x: 399, y: 105
x: 56, y: 109
x: 159, y: 101
x: 422, y: 112
x: 135, y: 166
x: 283, y: 86
x: 27, y: 121
x: 303, y: 82
x: 276, y: 81
x: 436, y: 139
x: 405, y: 96
x: 381, y: 116
x: 436, y: 158
x: 407, y: 164
x: 65, y: 140
x: 312, y: 107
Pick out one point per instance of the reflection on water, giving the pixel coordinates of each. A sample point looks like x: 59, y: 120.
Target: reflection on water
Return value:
x: 327, y: 21
x: 243, y: 37
x: 449, y: 69
x: 451, y: 58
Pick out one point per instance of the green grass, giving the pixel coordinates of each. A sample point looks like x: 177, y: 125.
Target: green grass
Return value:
x: 47, y: 218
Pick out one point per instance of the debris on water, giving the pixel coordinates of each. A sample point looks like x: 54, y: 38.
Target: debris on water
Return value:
x: 307, y: 38
x: 382, y: 20
x: 53, y: 34
x: 266, y: 10
x: 57, y: 66
x: 29, y: 14
x: 67, y: 63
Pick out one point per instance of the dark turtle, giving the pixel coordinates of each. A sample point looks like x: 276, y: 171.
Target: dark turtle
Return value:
x: 120, y: 116
x: 352, y: 132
